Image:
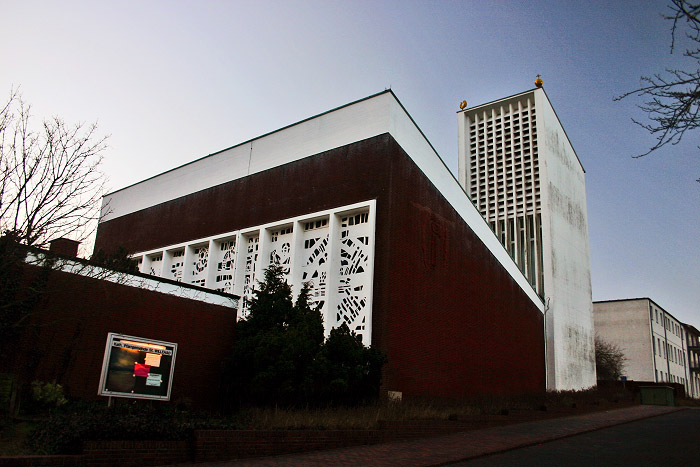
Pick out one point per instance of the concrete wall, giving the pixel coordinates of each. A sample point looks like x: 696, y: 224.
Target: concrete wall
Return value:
x: 626, y: 324
x: 651, y: 338
x: 567, y: 281
x: 670, y: 357
x: 692, y: 340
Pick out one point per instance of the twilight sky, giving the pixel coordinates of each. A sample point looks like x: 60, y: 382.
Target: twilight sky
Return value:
x: 172, y: 81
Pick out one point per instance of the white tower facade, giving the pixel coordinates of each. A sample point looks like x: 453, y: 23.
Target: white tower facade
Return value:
x: 522, y: 173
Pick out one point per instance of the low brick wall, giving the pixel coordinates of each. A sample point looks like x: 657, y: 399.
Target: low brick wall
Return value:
x: 219, y: 445
x: 42, y: 461
x: 112, y: 454
x: 136, y: 453
x: 223, y: 445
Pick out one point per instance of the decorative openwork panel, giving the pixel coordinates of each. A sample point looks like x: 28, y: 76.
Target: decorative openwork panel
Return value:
x: 337, y: 268
x: 281, y: 249
x: 156, y: 265
x: 315, y: 260
x: 225, y: 265
x: 354, y: 274
x: 177, y: 265
x: 251, y: 260
x: 199, y: 265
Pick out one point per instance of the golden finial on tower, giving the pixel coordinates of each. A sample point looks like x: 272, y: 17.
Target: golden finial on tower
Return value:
x: 463, y: 105
x: 538, y: 81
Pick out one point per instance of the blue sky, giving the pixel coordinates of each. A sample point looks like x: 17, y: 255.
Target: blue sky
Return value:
x: 172, y: 81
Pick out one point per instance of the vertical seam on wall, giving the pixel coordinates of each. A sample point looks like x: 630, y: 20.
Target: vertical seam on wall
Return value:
x: 250, y: 157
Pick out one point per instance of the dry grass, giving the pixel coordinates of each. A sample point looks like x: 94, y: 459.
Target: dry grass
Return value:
x: 371, y: 416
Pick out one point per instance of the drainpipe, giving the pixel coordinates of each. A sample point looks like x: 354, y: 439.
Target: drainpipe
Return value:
x: 668, y: 363
x: 546, y: 366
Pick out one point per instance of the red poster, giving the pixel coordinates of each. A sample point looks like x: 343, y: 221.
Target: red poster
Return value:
x: 141, y: 370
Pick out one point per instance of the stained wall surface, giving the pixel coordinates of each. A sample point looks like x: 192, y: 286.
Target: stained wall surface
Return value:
x: 65, y: 339
x: 450, y: 316
x: 626, y: 324
x: 653, y: 341
x: 567, y: 270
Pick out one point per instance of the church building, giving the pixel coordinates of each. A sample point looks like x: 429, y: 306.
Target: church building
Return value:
x: 357, y: 203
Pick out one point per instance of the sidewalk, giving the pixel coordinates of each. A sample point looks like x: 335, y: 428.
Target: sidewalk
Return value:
x: 460, y: 446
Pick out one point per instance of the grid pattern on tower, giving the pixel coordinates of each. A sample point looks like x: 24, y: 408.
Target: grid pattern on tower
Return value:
x: 503, y: 164
x: 503, y: 179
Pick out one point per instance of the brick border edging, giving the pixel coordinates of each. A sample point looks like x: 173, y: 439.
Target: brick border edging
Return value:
x: 112, y: 453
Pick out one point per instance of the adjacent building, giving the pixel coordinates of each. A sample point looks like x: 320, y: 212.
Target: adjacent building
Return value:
x: 520, y: 169
x: 692, y: 342
x: 654, y: 341
x: 357, y: 203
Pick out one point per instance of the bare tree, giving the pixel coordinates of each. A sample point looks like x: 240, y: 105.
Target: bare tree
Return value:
x: 609, y: 360
x: 672, y: 98
x: 50, y: 182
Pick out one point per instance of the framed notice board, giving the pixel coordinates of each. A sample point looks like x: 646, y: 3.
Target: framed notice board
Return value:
x: 137, y: 367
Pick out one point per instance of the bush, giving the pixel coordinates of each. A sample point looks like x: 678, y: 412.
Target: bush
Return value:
x: 609, y: 360
x: 65, y: 430
x: 48, y: 394
x: 346, y: 371
x: 280, y: 358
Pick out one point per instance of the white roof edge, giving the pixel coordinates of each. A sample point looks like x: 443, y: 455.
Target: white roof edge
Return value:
x: 137, y: 281
x: 416, y: 145
x: 377, y: 114
x: 344, y: 125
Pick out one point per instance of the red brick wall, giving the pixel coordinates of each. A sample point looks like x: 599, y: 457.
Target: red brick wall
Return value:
x: 136, y: 453
x: 68, y: 333
x: 452, y: 321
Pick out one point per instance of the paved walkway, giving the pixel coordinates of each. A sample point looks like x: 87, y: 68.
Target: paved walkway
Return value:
x: 443, y: 450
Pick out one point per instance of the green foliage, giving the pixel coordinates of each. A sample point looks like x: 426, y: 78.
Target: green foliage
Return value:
x: 48, y: 394
x: 280, y: 358
x: 65, y: 430
x: 348, y: 371
x: 276, y: 345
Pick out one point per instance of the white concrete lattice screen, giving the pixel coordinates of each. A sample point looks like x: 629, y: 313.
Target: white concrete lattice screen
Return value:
x: 332, y: 251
